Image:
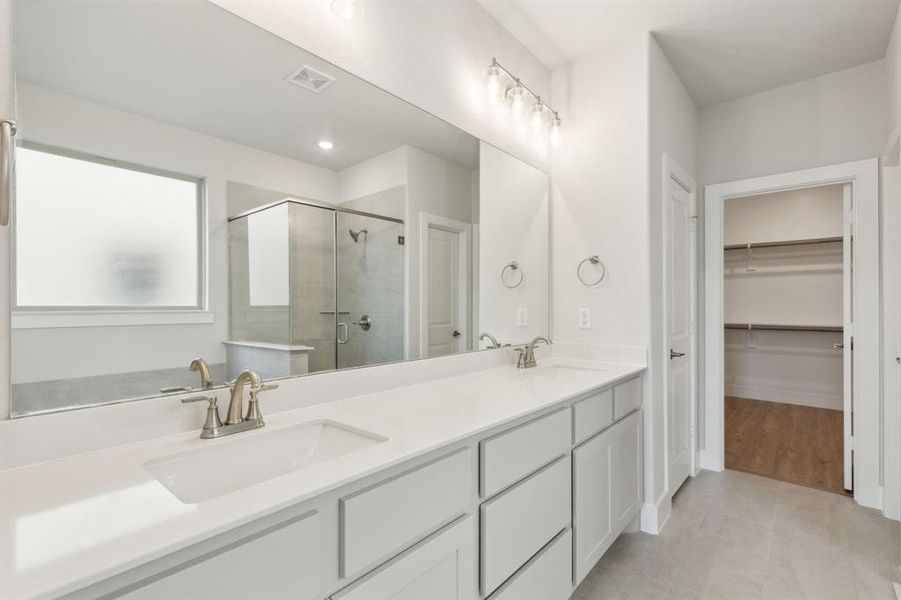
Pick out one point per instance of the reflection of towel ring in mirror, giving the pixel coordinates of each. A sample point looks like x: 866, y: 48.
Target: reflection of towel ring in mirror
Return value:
x: 595, y: 261
x: 513, y: 266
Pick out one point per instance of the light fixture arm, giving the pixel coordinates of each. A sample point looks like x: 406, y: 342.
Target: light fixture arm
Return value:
x: 518, y: 81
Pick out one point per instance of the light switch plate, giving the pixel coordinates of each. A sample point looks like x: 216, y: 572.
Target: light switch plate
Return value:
x: 584, y: 318
x: 522, y: 317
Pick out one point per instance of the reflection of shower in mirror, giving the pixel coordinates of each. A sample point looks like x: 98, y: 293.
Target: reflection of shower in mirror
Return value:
x: 356, y: 234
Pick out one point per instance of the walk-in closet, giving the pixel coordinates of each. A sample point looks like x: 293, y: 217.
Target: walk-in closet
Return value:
x: 787, y: 360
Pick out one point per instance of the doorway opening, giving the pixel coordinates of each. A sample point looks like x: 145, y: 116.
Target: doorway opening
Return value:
x: 787, y: 321
x: 860, y: 306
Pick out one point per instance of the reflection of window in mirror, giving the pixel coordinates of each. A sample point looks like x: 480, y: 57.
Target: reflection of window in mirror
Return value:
x: 94, y: 234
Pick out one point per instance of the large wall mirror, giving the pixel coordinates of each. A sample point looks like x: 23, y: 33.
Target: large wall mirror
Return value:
x: 189, y: 185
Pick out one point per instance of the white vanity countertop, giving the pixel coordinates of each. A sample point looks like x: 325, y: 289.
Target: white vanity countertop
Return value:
x: 72, y: 522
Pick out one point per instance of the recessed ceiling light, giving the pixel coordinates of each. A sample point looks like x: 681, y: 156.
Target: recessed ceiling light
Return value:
x: 325, y: 144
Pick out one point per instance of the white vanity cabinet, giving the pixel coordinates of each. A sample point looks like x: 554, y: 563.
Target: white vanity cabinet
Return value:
x: 521, y: 512
x: 606, y: 490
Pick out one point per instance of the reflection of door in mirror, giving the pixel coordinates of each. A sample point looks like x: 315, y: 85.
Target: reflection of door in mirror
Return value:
x: 446, y: 275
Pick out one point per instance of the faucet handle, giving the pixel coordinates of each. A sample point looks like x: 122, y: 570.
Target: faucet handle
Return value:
x: 211, y: 399
x: 253, y: 407
x: 213, y: 422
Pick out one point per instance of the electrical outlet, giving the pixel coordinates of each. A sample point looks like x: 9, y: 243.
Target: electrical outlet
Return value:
x: 584, y: 318
x: 522, y: 317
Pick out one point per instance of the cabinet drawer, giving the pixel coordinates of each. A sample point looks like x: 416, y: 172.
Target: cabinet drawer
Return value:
x: 282, y: 562
x: 548, y: 576
x: 593, y: 414
x: 626, y: 397
x: 441, y: 567
x: 380, y: 520
x: 508, y: 457
x: 518, y: 523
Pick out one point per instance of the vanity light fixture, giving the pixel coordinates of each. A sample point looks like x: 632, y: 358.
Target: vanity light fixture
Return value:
x: 325, y: 144
x: 349, y: 10
x: 518, y: 96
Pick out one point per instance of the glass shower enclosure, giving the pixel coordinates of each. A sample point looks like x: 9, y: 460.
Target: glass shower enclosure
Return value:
x: 314, y: 288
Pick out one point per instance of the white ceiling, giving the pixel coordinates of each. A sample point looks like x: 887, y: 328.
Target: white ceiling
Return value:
x: 721, y: 49
x: 194, y: 65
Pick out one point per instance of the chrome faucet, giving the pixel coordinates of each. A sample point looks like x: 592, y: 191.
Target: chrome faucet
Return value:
x: 494, y: 343
x: 526, y: 359
x: 234, y: 421
x: 198, y: 364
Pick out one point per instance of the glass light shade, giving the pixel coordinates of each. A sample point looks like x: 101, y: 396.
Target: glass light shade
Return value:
x: 555, y: 131
x: 493, y: 83
x: 516, y: 96
x: 537, y: 119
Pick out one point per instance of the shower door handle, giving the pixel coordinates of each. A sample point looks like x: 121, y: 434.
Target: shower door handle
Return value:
x: 342, y: 340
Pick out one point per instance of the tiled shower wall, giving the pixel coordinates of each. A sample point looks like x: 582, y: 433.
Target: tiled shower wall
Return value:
x: 371, y: 279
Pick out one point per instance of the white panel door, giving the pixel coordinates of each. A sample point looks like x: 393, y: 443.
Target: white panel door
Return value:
x: 678, y: 295
x: 443, y: 292
x: 848, y: 336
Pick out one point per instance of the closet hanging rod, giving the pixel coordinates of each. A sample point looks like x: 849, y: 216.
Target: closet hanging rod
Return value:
x: 759, y: 327
x: 805, y: 242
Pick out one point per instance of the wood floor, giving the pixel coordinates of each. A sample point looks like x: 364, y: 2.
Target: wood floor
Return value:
x: 798, y: 444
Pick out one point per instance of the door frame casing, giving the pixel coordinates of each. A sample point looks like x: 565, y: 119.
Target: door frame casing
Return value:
x: 864, y: 178
x: 464, y: 233
x: 673, y: 171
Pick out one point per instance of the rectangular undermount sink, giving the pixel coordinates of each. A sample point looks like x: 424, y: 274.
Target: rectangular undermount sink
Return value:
x: 230, y: 464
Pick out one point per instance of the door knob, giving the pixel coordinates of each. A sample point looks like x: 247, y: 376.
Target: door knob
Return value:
x: 838, y: 346
x: 456, y: 333
x: 673, y: 354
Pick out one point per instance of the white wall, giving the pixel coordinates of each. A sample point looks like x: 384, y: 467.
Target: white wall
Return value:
x: 432, y: 54
x: 891, y: 273
x: 374, y: 175
x: 514, y: 220
x: 672, y: 130
x: 57, y: 119
x: 839, y: 117
x: 793, y: 285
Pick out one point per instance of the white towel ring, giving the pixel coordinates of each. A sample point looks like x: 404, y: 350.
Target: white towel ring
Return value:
x: 513, y: 267
x: 595, y: 261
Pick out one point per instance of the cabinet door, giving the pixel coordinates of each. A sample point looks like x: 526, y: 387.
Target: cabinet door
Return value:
x: 592, y: 517
x: 626, y: 471
x: 441, y: 567
x: 280, y: 563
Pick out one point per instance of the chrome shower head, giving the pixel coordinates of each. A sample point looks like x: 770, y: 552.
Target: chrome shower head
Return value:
x: 356, y: 234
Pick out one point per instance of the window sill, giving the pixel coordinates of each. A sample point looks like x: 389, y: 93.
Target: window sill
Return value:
x: 52, y: 319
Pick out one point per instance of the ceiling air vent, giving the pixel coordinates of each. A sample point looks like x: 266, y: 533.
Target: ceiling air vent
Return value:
x: 310, y: 79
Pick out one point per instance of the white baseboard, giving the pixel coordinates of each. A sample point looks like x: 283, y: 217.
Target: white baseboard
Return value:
x: 785, y: 396
x: 655, y: 515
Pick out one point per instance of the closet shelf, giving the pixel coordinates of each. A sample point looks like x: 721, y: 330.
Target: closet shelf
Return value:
x: 772, y: 327
x: 804, y: 242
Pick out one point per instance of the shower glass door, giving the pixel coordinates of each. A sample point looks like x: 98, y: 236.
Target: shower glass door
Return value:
x: 370, y: 290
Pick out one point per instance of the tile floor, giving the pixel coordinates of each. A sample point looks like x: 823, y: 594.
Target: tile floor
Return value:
x: 735, y: 535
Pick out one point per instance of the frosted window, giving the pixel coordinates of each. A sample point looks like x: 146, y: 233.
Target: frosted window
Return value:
x: 90, y: 234
x: 267, y: 255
